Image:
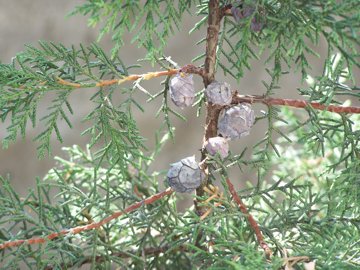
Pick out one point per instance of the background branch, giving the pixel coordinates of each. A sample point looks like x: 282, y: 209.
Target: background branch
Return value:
x: 251, y: 220
x: 94, y: 225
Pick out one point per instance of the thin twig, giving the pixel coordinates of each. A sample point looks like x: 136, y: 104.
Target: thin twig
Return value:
x: 297, y: 103
x: 191, y: 69
x: 251, y: 220
x: 94, y: 225
x: 132, y: 77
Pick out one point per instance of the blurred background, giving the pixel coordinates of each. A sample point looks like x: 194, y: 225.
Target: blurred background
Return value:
x: 27, y: 22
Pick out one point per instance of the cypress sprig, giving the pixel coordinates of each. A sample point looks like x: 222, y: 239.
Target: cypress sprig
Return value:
x: 107, y: 206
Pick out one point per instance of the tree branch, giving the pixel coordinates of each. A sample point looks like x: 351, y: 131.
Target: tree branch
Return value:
x: 94, y: 225
x: 297, y: 103
x: 212, y: 37
x: 250, y: 218
x: 212, y: 111
x: 191, y: 69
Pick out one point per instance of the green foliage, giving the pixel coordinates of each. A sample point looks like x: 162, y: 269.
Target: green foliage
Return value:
x: 151, y: 22
x: 36, y: 72
x: 85, y: 192
x: 291, y: 33
x: 305, y: 200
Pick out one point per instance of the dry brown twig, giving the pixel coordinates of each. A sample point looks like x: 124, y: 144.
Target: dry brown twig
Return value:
x: 289, y: 262
x: 191, y: 69
x: 215, y: 195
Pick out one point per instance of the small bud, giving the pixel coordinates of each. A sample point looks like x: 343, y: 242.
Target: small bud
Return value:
x: 185, y: 175
x: 241, y: 13
x: 217, y: 145
x: 256, y: 25
x: 219, y: 93
x: 244, y: 12
x: 182, y: 90
x: 236, y: 122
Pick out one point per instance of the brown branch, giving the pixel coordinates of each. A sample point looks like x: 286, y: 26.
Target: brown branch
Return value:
x: 212, y: 37
x: 297, y: 103
x: 191, y: 69
x: 152, y: 251
x: 94, y: 225
x: 251, y: 220
x: 212, y: 111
